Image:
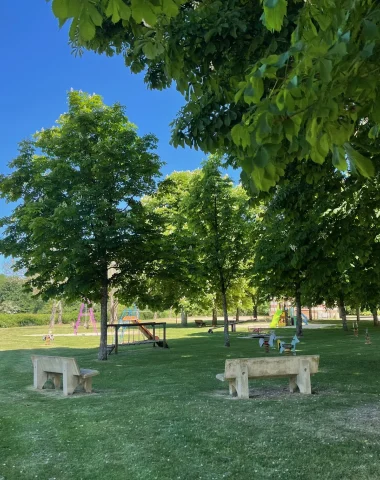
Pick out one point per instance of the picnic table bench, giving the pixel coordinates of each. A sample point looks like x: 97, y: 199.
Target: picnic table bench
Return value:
x: 238, y: 371
x: 200, y: 323
x: 65, y: 368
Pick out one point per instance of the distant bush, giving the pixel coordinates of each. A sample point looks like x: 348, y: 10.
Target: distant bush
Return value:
x: 30, y: 319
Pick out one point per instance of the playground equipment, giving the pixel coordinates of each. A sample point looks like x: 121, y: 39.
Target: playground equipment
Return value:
x: 48, y: 338
x: 288, y: 347
x: 267, y: 341
x: 88, y: 314
x: 130, y: 331
x: 276, y: 318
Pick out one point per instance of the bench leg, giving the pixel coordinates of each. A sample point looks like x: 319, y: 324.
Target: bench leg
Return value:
x: 87, y: 384
x: 241, y: 382
x: 293, y: 384
x: 303, y: 378
x: 39, y: 377
x: 232, y: 388
x: 70, y: 381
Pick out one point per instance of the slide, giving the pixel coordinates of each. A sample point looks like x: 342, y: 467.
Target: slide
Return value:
x: 275, y: 318
x: 148, y: 334
x: 305, y: 319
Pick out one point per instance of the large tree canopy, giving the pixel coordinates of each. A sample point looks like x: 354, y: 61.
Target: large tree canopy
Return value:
x: 78, y: 186
x: 266, y: 82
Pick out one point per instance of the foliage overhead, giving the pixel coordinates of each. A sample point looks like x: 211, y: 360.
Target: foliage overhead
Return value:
x: 266, y: 82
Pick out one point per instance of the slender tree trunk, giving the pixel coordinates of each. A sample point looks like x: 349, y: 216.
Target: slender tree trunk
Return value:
x: 375, y: 317
x: 342, y: 312
x: 214, y: 322
x: 255, y: 311
x: 225, y: 315
x: 237, y: 314
x: 357, y: 315
x: 310, y: 314
x: 103, y: 317
x: 52, y: 316
x: 299, y: 331
x: 183, y: 318
x: 60, y: 312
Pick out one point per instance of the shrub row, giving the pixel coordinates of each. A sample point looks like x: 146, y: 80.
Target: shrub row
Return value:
x: 30, y: 319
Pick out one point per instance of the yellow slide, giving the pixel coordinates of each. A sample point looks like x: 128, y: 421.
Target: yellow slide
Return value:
x: 275, y: 318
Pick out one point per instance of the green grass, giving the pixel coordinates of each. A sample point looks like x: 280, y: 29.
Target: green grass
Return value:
x: 161, y: 414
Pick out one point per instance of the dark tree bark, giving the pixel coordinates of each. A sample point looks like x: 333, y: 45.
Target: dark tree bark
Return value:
x: 237, y: 314
x: 214, y: 321
x: 255, y: 312
x: 358, y: 314
x: 342, y: 312
x: 225, y: 316
x: 375, y: 317
x: 183, y: 318
x: 299, y: 331
x: 103, y: 316
x: 310, y: 314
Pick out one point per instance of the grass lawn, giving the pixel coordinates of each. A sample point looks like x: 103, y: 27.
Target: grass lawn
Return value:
x: 161, y: 414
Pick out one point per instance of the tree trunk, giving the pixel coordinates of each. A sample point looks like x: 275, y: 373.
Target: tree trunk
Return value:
x: 52, y: 316
x: 214, y: 322
x: 310, y: 314
x: 375, y: 317
x: 225, y: 315
x: 237, y: 314
x: 103, y: 317
x: 357, y: 315
x: 342, y: 312
x: 60, y: 312
x: 299, y: 331
x: 183, y: 318
x: 255, y: 311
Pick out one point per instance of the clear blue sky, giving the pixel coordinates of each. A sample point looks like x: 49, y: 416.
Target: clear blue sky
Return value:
x: 37, y: 69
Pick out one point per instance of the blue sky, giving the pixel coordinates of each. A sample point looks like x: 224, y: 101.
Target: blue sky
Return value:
x: 38, y: 69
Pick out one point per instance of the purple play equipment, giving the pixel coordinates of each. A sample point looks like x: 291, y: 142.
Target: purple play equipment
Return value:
x: 83, y: 313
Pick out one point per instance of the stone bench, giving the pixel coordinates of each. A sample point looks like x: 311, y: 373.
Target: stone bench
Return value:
x: 298, y: 369
x: 65, y: 368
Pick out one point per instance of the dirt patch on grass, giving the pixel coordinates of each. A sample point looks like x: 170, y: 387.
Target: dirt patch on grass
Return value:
x: 265, y: 392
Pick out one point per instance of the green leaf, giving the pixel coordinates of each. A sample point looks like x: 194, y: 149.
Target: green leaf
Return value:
x: 169, y: 8
x: 367, y: 50
x: 374, y: 132
x: 280, y: 100
x: 86, y: 28
x: 124, y: 11
x: 339, y: 158
x: 325, y: 67
x: 339, y: 50
x: 95, y: 16
x: 362, y: 164
x: 262, y: 157
x: 274, y: 13
x: 60, y: 8
x: 370, y: 30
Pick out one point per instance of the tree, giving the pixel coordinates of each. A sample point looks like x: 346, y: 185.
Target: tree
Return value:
x: 172, y: 279
x: 219, y: 216
x: 78, y: 186
x: 270, y: 85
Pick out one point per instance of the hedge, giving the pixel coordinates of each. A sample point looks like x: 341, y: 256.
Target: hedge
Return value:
x: 30, y: 319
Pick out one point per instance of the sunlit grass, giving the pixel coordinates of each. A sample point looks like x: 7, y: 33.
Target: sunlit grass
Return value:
x: 161, y: 414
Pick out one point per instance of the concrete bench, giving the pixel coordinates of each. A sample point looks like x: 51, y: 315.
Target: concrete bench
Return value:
x: 298, y: 369
x: 65, y: 368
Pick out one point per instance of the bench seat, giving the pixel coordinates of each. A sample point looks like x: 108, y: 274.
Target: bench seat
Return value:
x: 297, y: 368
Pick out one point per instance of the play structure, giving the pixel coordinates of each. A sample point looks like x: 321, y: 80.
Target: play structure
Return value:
x: 89, y: 317
x: 285, y: 317
x: 130, y: 331
x: 288, y: 348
